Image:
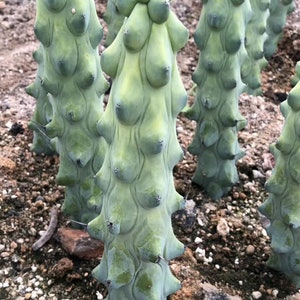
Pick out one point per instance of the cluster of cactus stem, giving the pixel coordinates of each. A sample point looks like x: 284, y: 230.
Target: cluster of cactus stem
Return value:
x: 70, y: 79
x: 117, y: 165
x: 220, y: 36
x: 283, y: 205
x: 139, y: 126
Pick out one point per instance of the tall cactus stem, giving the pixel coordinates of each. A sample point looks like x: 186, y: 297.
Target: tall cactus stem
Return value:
x: 139, y: 125
x: 223, y: 60
x: 282, y: 207
x: 70, y: 32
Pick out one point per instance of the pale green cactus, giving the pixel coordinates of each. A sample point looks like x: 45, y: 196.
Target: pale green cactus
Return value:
x: 43, y: 110
x: 70, y: 33
x: 255, y: 38
x: 279, y: 9
x: 139, y: 125
x: 220, y: 36
x: 283, y: 205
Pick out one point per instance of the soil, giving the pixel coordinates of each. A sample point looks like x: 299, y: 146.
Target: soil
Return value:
x: 226, y: 244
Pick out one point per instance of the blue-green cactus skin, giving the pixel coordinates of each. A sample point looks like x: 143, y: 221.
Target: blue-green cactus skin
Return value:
x: 279, y: 9
x: 255, y: 38
x: 43, y: 110
x: 70, y: 33
x: 139, y: 125
x: 220, y: 36
x: 283, y: 206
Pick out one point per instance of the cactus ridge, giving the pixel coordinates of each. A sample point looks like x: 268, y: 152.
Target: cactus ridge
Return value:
x: 139, y: 125
x: 219, y: 84
x: 69, y: 32
x: 282, y: 206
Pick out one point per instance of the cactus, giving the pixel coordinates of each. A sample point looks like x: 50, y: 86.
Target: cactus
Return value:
x: 70, y: 32
x: 220, y: 36
x: 139, y: 125
x: 114, y: 20
x: 43, y: 110
x: 279, y: 9
x: 283, y: 206
x: 255, y: 38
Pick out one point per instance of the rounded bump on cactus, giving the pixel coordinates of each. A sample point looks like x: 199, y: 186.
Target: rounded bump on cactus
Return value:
x: 159, y: 10
x: 208, y: 132
x: 78, y: 16
x: 38, y: 54
x: 67, y: 174
x: 63, y: 54
x: 159, y: 57
x: 97, y: 228
x: 294, y: 262
x: 50, y: 86
x: 173, y: 248
x: 294, y: 98
x: 285, y: 144
x: 105, y: 129
x: 237, y: 2
x: 96, y: 35
x: 276, y: 183
x: 136, y: 28
x: 111, y: 56
x: 178, y: 33
x: 282, y: 237
x: 33, y: 90
x: 152, y: 191
x: 55, y: 128
x: 42, y: 31
x: 263, y: 5
x: 121, y: 268
x: 208, y: 164
x: 217, y: 14
x: 125, y: 7
x: 267, y: 207
x: 55, y: 5
x: 148, y: 282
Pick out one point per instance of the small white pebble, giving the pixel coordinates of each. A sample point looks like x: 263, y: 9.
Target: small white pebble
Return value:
x: 256, y: 294
x: 198, y: 240
x: 99, y: 295
x: 275, y: 293
x: 240, y: 282
x: 2, y: 247
x: 33, y: 268
x: 217, y: 267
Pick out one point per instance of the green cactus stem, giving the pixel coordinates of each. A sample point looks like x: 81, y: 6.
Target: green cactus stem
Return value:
x: 139, y: 125
x: 255, y: 38
x: 43, y: 110
x: 279, y: 9
x: 283, y: 204
x: 70, y: 33
x: 220, y: 36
